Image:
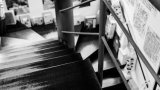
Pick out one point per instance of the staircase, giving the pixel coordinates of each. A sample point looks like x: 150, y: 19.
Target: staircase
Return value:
x: 47, y: 65
x: 30, y: 61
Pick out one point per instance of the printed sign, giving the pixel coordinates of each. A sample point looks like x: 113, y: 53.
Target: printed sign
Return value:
x: 140, y: 19
x: 143, y: 19
x: 152, y: 45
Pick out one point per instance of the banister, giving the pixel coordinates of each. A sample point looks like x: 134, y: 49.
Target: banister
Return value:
x: 116, y: 63
x: 66, y: 9
x: 153, y: 73
x: 80, y: 33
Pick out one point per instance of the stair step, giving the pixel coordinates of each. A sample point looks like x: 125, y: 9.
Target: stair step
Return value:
x: 111, y: 73
x: 108, y: 82
x: 36, y: 65
x: 111, y: 77
x: 87, y: 45
x: 9, y: 41
x: 13, y: 64
x: 32, y: 56
x: 32, y: 48
x: 27, y: 34
x: 34, y: 44
x: 78, y: 75
x: 36, y: 50
x: 120, y: 86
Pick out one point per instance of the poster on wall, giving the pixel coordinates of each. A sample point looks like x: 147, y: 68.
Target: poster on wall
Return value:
x: 140, y: 19
x: 48, y: 4
x: 143, y: 19
x: 19, y: 6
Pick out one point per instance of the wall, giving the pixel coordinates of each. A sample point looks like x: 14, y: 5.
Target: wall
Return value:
x: 87, y: 11
x: 36, y: 10
x: 143, y: 19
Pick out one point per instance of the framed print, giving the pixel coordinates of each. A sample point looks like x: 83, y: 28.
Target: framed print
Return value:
x: 10, y: 17
x: 48, y: 18
x: 25, y: 19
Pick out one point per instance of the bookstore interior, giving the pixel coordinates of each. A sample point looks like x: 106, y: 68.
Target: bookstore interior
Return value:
x: 79, y: 45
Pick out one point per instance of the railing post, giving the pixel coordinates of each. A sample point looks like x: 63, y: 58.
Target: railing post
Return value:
x: 102, y: 21
x: 65, y: 21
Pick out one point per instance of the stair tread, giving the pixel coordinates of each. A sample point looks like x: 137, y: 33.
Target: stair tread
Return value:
x: 31, y: 48
x: 31, y: 56
x: 27, y: 34
x: 33, y: 44
x: 75, y: 75
x: 111, y: 73
x: 10, y: 41
x: 35, y: 50
x: 120, y: 86
x: 36, y: 65
x: 108, y: 82
x: 33, y: 60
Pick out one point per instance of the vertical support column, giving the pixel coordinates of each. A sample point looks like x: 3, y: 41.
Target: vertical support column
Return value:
x: 65, y: 21
x: 2, y: 31
x: 102, y: 22
x: 2, y: 22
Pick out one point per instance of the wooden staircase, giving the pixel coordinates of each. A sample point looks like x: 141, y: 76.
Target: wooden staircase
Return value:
x: 48, y: 65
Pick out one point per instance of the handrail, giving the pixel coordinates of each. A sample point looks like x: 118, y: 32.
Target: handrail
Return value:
x: 116, y: 63
x: 153, y: 73
x: 66, y: 9
x: 80, y: 33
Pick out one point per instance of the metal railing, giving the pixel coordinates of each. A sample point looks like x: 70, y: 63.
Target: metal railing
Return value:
x: 130, y: 39
x: 80, y: 33
x: 69, y: 8
x: 116, y: 63
x: 102, y: 42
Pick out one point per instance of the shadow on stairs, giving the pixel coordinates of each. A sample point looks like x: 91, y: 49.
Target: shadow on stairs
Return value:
x: 48, y: 65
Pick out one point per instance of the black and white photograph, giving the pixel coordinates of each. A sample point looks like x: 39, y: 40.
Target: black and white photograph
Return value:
x: 79, y: 44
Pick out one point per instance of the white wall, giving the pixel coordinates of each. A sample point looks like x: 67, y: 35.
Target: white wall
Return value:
x: 149, y: 45
x: 87, y: 11
x: 36, y: 8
